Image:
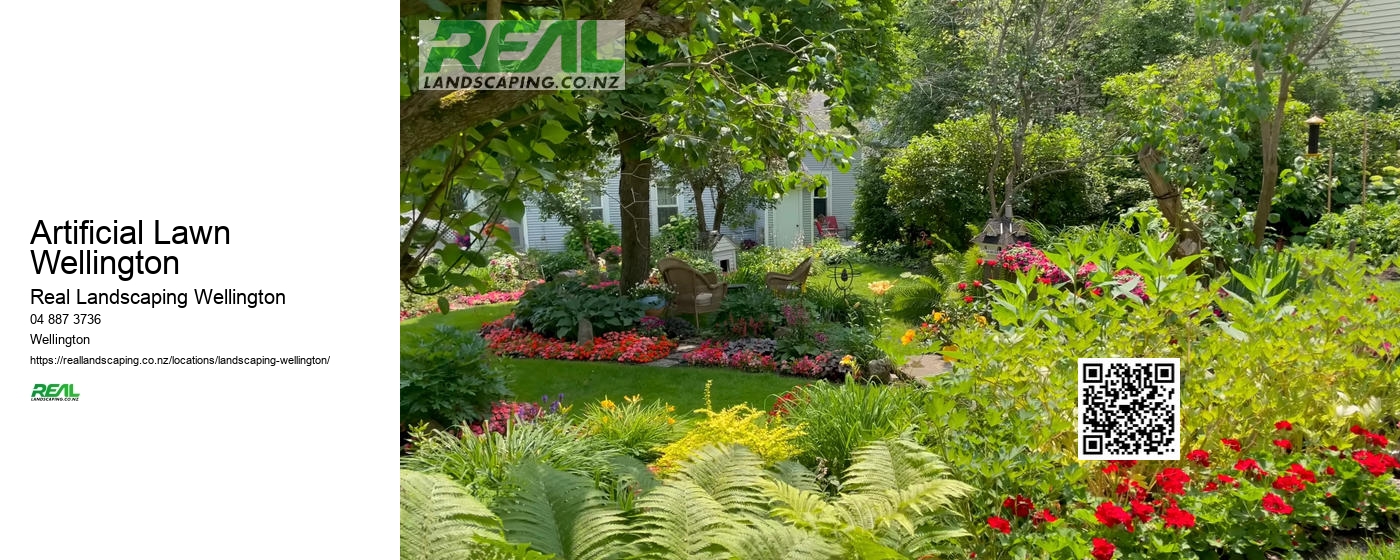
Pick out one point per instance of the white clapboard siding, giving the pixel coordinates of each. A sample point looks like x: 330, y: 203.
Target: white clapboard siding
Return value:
x: 1375, y: 24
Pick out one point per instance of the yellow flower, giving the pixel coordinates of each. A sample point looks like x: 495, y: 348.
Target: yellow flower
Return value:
x: 670, y: 420
x: 670, y: 408
x: 607, y: 404
x: 908, y: 337
x: 939, y: 317
x: 879, y: 288
x: 848, y: 360
x: 982, y: 319
x: 634, y: 399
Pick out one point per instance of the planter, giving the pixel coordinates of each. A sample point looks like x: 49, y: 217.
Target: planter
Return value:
x: 654, y: 305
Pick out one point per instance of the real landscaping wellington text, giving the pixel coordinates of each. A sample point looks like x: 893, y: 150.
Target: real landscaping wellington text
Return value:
x: 126, y: 267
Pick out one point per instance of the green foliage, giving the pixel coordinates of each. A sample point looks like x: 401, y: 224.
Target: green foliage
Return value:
x: 1374, y: 227
x: 839, y: 419
x: 754, y: 312
x: 600, y: 236
x: 554, y: 308
x: 1270, y: 278
x: 551, y: 264
x: 919, y: 294
x: 439, y: 520
x: 680, y: 233
x: 937, y: 181
x: 874, y: 221
x: 562, y: 514
x: 483, y: 463
x: 447, y: 377
x: 635, y: 429
x: 835, y: 306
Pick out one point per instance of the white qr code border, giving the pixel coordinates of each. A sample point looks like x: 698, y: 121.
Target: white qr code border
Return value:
x: 1086, y: 372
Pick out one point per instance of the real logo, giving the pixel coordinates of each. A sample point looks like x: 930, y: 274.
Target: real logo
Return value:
x: 521, y: 54
x: 53, y: 392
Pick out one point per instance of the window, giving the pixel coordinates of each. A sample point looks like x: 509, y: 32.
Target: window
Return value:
x: 517, y: 234
x: 595, y: 208
x: 819, y: 203
x: 666, y: 207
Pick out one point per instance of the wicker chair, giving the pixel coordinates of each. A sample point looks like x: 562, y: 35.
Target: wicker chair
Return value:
x: 791, y: 282
x: 696, y: 293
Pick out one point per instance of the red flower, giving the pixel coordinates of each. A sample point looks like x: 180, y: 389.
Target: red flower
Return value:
x: 1358, y: 430
x: 1179, y: 518
x: 1377, y: 439
x: 1285, y: 444
x: 1141, y: 511
x: 999, y: 524
x: 1330, y: 471
x: 1110, y: 469
x: 1021, y: 506
x: 1173, y: 480
x: 1372, y: 298
x: 1226, y: 479
x: 1111, y: 515
x: 967, y: 299
x: 1231, y: 443
x: 1210, y: 487
x: 1283, y: 425
x: 1103, y: 550
x: 1200, y: 456
x: 1290, y: 483
x: 1303, y: 472
x: 1132, y: 486
x: 1375, y: 463
x: 1248, y: 466
x: 979, y: 262
x: 962, y: 286
x: 1273, y: 503
x: 1044, y: 516
x: 977, y: 283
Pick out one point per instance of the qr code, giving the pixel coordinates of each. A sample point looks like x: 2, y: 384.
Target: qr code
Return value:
x: 1129, y: 409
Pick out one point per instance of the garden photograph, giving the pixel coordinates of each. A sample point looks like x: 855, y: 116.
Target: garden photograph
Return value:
x: 902, y: 279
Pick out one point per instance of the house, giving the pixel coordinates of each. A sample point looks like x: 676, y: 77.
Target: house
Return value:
x: 1374, y: 27
x: 792, y: 220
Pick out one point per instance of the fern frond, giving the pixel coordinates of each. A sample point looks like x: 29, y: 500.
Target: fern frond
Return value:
x: 796, y: 475
x: 891, y: 464
x: 438, y: 519
x: 682, y: 520
x: 893, y: 489
x: 805, y: 509
x: 562, y: 514
x: 731, y: 475
x: 767, y: 539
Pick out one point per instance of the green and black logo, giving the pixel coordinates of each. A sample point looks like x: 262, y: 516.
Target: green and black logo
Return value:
x: 53, y: 392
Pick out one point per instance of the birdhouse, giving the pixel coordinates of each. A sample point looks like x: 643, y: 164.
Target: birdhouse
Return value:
x: 725, y: 254
x: 998, y: 234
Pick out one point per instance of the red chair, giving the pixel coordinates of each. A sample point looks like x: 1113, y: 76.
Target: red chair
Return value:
x: 827, y: 227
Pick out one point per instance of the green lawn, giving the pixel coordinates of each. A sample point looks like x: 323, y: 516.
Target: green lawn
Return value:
x: 469, y: 319
x: 583, y: 382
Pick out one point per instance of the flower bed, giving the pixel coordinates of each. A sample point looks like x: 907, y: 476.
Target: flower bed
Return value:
x: 627, y: 347
x: 1290, y: 494
x: 463, y: 302
x: 757, y: 354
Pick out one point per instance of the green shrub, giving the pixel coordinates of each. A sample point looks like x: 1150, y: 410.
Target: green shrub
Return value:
x: 839, y: 419
x: 832, y: 252
x: 551, y: 264
x: 1374, y: 227
x: 835, y: 306
x: 754, y: 312
x: 632, y: 427
x: 681, y: 233
x: 448, y: 377
x: 600, y: 236
x: 874, y: 221
x: 554, y: 308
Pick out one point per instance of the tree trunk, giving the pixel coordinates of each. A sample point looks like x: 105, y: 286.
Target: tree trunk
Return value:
x: 1188, y: 235
x: 1271, y: 129
x: 719, y: 209
x: 634, y: 194
x: 698, y: 190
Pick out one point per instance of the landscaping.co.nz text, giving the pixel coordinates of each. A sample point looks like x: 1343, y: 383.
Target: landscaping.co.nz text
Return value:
x: 181, y: 360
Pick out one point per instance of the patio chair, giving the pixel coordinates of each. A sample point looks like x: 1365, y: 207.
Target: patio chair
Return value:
x: 828, y: 227
x: 791, y: 282
x: 696, y: 293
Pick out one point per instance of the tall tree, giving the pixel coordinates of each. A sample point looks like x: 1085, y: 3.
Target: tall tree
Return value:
x: 1277, y: 40
x: 728, y: 183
